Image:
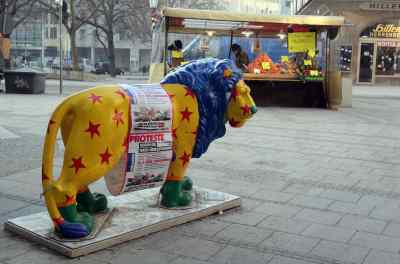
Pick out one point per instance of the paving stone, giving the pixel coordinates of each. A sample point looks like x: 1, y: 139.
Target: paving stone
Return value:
x: 290, y: 242
x: 310, y: 201
x: 380, y: 257
x: 341, y: 196
x: 241, y: 234
x: 182, y: 260
x: 244, y: 218
x: 143, y: 257
x: 268, y: 195
x: 284, y: 224
x: 7, y: 205
x: 380, y: 242
x: 340, y: 251
x: 351, y: 208
x: 41, y: 255
x: 388, y: 212
x: 314, y: 191
x: 205, y: 227
x: 362, y: 223
x: 278, y: 209
x: 286, y: 260
x: 377, y: 201
x: 329, y: 232
x: 297, y: 188
x: 318, y: 216
x: 392, y: 229
x: 237, y: 255
x: 192, y: 247
x: 13, y: 247
x: 249, y: 204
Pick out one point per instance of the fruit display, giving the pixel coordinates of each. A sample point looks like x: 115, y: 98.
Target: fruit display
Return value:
x: 263, y: 64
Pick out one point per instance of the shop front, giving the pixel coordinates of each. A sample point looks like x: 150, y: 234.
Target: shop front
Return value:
x: 379, y: 54
x: 368, y: 46
x: 286, y: 60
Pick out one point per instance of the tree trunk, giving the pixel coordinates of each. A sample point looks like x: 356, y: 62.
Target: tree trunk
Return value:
x: 111, y: 53
x: 74, y: 50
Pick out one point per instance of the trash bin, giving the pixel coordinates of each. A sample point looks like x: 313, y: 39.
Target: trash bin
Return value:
x: 25, y: 81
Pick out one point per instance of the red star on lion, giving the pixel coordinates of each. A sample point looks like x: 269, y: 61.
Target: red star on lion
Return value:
x: 234, y: 94
x: 174, y: 133
x: 93, y: 129
x: 118, y: 117
x: 185, y: 158
x: 77, y: 164
x: 186, y: 114
x: 246, y: 110
x: 190, y: 93
x: 95, y: 98
x: 105, y: 157
x: 121, y: 93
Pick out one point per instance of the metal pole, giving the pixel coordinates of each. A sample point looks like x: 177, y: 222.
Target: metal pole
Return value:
x: 61, y: 49
x: 43, y: 37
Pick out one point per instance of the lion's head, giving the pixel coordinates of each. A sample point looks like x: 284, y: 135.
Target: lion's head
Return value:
x: 221, y: 95
x: 241, y: 106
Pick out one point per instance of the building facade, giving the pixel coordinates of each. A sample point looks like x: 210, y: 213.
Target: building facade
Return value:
x: 35, y: 43
x: 369, y: 44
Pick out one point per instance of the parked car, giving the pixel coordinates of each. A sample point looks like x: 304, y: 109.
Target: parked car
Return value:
x: 104, y: 68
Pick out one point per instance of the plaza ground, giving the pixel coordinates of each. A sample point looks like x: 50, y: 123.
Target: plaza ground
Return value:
x: 317, y: 186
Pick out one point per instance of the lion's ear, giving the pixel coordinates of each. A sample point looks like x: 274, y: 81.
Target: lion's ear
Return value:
x: 228, y: 73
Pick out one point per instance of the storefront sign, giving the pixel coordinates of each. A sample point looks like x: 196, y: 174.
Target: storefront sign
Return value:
x: 385, y: 31
x: 301, y: 41
x: 390, y: 44
x: 381, y: 6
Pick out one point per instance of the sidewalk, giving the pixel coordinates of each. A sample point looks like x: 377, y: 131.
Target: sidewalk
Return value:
x: 377, y: 92
x: 317, y: 186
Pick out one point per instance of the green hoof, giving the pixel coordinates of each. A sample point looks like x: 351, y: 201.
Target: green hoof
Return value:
x: 173, y: 195
x: 187, y: 184
x: 71, y: 214
x: 91, y: 203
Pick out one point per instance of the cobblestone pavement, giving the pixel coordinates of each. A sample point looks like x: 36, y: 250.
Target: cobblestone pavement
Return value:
x: 317, y: 186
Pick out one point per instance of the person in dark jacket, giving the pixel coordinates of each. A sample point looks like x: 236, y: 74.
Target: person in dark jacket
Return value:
x: 241, y: 57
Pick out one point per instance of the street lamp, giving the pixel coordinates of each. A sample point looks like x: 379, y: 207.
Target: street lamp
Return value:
x: 60, y: 6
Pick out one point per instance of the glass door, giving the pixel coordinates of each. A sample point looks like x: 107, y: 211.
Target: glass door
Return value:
x: 366, y: 67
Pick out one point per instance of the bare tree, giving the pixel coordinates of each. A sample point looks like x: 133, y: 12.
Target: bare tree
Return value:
x: 13, y: 13
x: 110, y: 15
x: 75, y: 15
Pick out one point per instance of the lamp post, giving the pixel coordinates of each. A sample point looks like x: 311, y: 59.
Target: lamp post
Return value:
x: 60, y: 4
x: 153, y: 4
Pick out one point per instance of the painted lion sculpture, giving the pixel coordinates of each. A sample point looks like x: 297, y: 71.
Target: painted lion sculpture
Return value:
x: 95, y: 124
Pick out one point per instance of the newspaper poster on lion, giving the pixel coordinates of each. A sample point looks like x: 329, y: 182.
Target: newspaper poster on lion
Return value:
x: 146, y: 163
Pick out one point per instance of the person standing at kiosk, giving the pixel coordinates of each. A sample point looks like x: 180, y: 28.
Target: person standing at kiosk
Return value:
x: 241, y: 57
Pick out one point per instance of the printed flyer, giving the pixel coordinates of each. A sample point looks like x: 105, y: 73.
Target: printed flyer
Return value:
x: 150, y: 141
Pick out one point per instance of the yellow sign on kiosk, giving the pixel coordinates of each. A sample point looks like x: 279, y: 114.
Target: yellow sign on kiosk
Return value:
x: 177, y: 54
x: 301, y: 41
x: 307, y: 62
x: 266, y: 65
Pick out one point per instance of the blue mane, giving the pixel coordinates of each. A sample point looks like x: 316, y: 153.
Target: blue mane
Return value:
x: 205, y: 77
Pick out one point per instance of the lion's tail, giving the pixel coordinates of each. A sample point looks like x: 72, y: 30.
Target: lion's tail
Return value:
x: 47, y: 161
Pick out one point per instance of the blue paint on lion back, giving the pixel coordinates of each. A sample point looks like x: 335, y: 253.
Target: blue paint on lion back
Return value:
x: 205, y: 77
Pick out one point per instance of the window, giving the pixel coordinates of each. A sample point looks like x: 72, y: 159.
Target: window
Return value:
x: 123, y: 35
x: 82, y: 34
x: 53, y: 33
x: 53, y: 20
